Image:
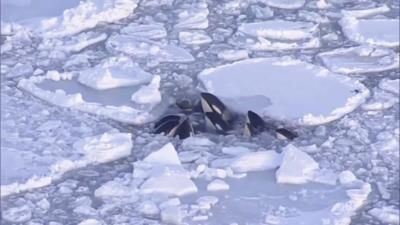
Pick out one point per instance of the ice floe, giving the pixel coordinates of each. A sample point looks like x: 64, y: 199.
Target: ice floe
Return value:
x: 297, y: 167
x: 194, y: 37
x: 280, y: 29
x: 114, y: 72
x: 361, y: 59
x: 233, y: 55
x: 310, y: 100
x: 277, y: 35
x: 390, y: 85
x: 369, y: 12
x: 192, y: 15
x: 163, y: 173
x: 148, y: 31
x: 284, y: 4
x: 64, y: 90
x: 378, y: 31
x: 386, y: 214
x: 149, y: 94
x: 97, y: 149
x: 87, y: 14
x: 106, y: 147
x: 149, y: 49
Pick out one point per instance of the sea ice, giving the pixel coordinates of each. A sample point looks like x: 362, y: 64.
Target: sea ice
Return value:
x: 114, y: 72
x: 112, y: 104
x: 255, y: 161
x: 164, y: 173
x: 194, y: 37
x: 193, y: 16
x: 280, y: 30
x: 17, y: 214
x: 172, y: 215
x: 146, y: 48
x: 233, y: 55
x: 390, y: 85
x: 309, y: 101
x: 297, y: 166
x: 90, y: 222
x: 217, y: 185
x: 149, y: 94
x: 360, y: 59
x: 363, y: 13
x: 235, y: 150
x: 86, y: 15
x: 380, y: 32
x: 146, y: 31
x: 105, y: 147
x: 148, y: 209
x: 284, y: 4
x: 386, y: 214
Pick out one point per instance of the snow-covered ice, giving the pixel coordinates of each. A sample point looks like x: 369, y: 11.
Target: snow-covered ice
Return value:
x: 284, y: 4
x: 360, y: 59
x: 114, y: 72
x: 297, y: 167
x: 386, y: 214
x: 145, y: 48
x: 69, y: 94
x: 309, y: 101
x: 277, y: 35
x: 379, y: 32
x: 194, y: 37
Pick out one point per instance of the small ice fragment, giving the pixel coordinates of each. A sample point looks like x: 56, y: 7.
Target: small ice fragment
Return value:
x: 347, y: 177
x: 166, y: 155
x: 217, y: 185
x: 149, y: 209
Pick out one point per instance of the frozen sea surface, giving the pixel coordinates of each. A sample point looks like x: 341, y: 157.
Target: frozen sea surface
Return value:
x: 82, y: 81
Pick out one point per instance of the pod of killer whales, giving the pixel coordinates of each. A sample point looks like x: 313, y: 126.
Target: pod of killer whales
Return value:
x: 218, y: 119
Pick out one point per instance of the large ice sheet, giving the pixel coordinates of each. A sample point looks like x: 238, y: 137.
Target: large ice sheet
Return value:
x: 380, y: 31
x: 62, y: 89
x: 284, y: 88
x: 361, y: 59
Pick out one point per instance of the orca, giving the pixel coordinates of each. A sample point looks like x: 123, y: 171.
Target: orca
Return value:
x: 254, y: 124
x: 284, y: 134
x: 174, y: 125
x: 210, y: 103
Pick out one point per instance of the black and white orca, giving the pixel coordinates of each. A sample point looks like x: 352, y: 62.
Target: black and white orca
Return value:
x: 254, y: 124
x: 174, y: 125
x: 217, y: 119
x: 216, y: 114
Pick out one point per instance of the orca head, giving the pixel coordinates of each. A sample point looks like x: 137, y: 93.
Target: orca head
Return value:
x: 184, y: 129
x: 215, y: 122
x: 254, y: 124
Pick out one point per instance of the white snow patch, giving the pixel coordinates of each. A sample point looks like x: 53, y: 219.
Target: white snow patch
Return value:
x: 217, y: 185
x: 386, y: 214
x: 380, y: 32
x: 297, y: 166
x: 149, y: 94
x: 309, y: 101
x: 114, y: 72
x: 361, y: 59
